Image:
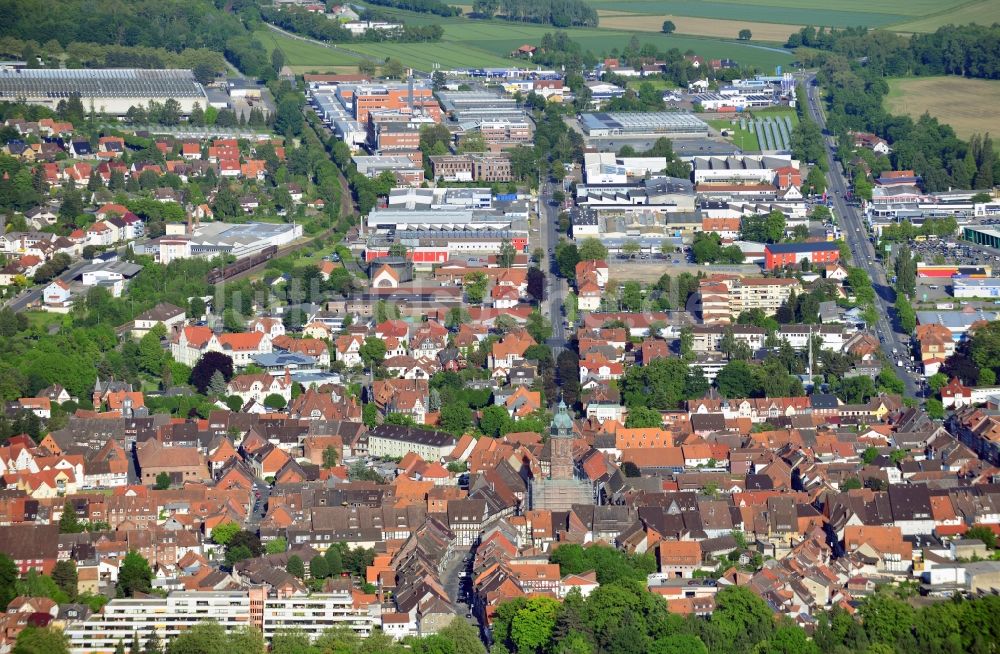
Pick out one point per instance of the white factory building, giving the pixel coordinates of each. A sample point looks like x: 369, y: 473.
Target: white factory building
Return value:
x: 212, y: 239
x: 108, y: 90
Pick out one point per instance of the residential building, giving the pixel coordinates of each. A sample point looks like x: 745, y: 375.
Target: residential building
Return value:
x: 395, y: 441
x: 778, y: 255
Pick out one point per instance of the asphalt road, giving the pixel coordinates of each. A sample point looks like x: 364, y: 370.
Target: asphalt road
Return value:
x: 863, y: 253
x: 26, y: 299
x: 557, y: 288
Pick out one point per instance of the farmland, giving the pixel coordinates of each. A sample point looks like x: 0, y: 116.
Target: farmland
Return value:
x: 708, y: 28
x: 765, y: 18
x: 984, y: 12
x: 475, y: 43
x: 968, y: 105
x: 718, y: 28
x: 303, y: 56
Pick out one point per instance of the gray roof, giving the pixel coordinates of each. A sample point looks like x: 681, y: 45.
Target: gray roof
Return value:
x: 104, y: 82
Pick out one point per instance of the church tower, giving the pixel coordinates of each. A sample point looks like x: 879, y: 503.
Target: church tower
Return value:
x: 561, y: 444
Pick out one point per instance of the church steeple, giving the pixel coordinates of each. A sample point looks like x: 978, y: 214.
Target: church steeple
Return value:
x: 561, y: 444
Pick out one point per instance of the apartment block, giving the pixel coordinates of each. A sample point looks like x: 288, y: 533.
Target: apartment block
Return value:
x: 724, y: 297
x: 232, y: 610
x: 472, y: 167
x: 168, y: 617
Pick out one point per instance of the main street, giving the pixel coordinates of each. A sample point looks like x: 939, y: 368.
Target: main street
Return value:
x: 863, y: 252
x: 556, y: 287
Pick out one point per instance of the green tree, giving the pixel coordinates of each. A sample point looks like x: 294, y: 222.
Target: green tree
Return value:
x: 538, y: 326
x: 474, y: 285
x: 528, y: 623
x: 41, y: 640
x: 330, y: 457
x: 679, y: 644
x: 741, y: 620
x: 736, y: 380
x: 276, y: 545
x: 372, y: 352
x: 275, y: 401
x: 134, y: 575
x: 151, y: 354
x: 456, y: 418
x: 935, y: 408
x: 495, y: 421
x: 8, y: 579
x: 203, y: 638
x: 591, y: 248
x: 295, y: 567
x: 886, y: 619
x: 643, y: 417
x: 68, y: 523
x: 65, y: 577
x: 319, y: 568
x: 334, y: 560
x: 905, y: 313
x: 224, y: 532
x: 745, y: 35
x: 505, y: 258
x: 567, y: 256
x: 984, y: 534
x: 668, y: 27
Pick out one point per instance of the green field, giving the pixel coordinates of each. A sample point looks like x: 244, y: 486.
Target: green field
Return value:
x: 745, y: 138
x: 303, y: 54
x: 488, y: 43
x: 803, y: 12
x: 479, y: 43
x: 984, y: 12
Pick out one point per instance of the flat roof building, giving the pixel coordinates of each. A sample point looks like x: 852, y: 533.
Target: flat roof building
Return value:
x: 463, y: 106
x: 108, y: 90
x: 674, y: 124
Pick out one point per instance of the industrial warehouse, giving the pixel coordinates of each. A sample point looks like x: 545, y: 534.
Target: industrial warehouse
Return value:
x: 674, y: 124
x: 107, y: 90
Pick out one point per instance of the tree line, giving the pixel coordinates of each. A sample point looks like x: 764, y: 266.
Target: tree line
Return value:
x: 621, y: 617
x: 206, y: 63
x: 435, y: 7
x: 968, y: 50
x: 854, y: 95
x: 174, y: 25
x: 560, y: 13
x: 319, y: 27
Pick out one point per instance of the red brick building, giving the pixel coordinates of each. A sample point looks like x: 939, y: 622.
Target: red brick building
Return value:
x: 777, y: 255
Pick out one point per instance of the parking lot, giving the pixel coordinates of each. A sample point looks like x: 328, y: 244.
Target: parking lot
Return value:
x: 962, y: 253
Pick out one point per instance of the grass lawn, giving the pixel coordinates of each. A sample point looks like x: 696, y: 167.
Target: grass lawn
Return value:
x: 659, y: 84
x: 984, y: 12
x: 43, y: 319
x: 304, y: 54
x: 968, y: 105
x: 482, y: 43
x: 423, y: 56
x: 790, y: 12
x: 501, y: 38
x: 746, y: 139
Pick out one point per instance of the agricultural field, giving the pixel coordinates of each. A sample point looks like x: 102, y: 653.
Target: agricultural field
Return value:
x: 488, y: 43
x: 303, y: 56
x: 984, y: 12
x: 968, y: 105
x: 718, y: 28
x: 765, y: 18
